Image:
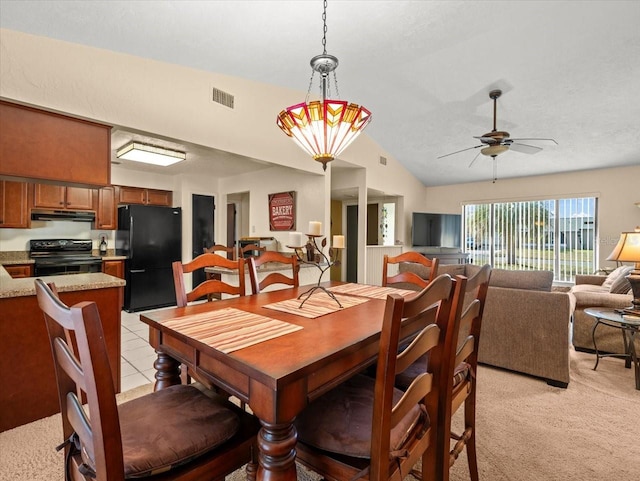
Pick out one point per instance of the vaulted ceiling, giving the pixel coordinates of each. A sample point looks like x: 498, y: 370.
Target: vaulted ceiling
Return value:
x: 570, y: 70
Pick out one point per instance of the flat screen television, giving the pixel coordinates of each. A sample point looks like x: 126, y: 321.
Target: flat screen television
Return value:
x: 436, y: 230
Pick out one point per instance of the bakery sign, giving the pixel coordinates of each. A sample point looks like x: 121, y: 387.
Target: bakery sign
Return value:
x: 282, y: 211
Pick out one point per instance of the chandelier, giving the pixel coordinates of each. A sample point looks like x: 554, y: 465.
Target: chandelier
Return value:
x: 324, y: 128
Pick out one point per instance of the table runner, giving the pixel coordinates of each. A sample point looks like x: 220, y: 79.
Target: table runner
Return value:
x: 230, y: 329
x: 374, y: 292
x: 317, y: 305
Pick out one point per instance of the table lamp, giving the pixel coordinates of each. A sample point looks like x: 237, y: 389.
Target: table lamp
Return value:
x: 628, y: 250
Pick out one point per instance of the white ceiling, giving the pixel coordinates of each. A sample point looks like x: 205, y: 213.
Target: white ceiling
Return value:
x: 570, y: 69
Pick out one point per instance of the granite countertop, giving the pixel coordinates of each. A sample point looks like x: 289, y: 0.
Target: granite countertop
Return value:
x: 10, y: 287
x: 113, y: 258
x: 11, y: 262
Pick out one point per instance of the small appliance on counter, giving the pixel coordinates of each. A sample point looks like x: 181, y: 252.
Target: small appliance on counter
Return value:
x: 151, y: 239
x: 63, y: 256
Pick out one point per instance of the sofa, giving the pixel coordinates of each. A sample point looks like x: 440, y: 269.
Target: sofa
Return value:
x: 612, y: 291
x: 525, y: 326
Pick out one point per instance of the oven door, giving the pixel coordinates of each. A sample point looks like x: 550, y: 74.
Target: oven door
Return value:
x: 57, y: 269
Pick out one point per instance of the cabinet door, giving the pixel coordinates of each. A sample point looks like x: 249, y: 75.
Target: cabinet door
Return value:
x: 19, y: 271
x: 48, y: 195
x: 113, y: 268
x: 106, y: 215
x: 79, y: 198
x: 159, y: 197
x: 132, y: 195
x: 14, y: 205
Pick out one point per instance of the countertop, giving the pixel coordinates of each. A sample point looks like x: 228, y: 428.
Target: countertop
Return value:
x: 10, y: 287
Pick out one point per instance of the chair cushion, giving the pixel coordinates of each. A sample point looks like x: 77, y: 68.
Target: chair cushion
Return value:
x: 170, y: 427
x: 461, y: 373
x: 340, y: 420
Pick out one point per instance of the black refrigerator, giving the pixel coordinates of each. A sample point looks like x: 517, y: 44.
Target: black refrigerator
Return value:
x: 151, y: 239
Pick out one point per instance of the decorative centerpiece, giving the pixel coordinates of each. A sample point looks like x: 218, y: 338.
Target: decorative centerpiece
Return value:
x: 313, y: 254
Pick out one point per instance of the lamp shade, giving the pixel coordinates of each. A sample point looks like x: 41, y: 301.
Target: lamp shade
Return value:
x: 324, y: 128
x: 627, y: 249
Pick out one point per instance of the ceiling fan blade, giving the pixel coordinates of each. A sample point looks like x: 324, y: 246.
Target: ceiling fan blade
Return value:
x: 487, y: 140
x: 458, y: 151
x: 474, y: 159
x: 536, y: 139
x: 524, y: 148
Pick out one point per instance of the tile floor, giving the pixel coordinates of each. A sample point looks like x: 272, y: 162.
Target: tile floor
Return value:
x: 137, y: 356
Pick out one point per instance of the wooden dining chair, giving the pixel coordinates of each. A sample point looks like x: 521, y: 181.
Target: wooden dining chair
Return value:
x: 209, y: 286
x: 232, y: 251
x: 251, y: 250
x: 177, y: 434
x: 365, y: 427
x: 273, y: 277
x: 459, y: 386
x: 408, y: 277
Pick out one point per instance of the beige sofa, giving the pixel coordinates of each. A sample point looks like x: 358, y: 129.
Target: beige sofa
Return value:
x: 598, y: 291
x: 525, y: 327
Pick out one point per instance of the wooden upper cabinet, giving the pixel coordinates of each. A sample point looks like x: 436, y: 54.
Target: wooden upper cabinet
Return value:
x: 40, y: 145
x: 61, y: 197
x: 140, y: 195
x: 107, y: 211
x: 14, y: 205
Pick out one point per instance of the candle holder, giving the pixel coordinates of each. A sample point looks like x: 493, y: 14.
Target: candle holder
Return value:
x: 314, y: 255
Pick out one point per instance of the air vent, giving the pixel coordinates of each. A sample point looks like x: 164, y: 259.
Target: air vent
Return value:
x: 222, y: 98
x: 383, y: 160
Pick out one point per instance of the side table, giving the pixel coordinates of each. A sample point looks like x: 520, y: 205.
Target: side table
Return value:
x: 629, y: 325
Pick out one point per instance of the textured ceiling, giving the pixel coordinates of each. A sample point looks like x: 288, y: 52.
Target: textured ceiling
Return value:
x: 570, y: 70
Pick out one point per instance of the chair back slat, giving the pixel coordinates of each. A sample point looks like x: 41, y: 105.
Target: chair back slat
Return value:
x: 81, y: 424
x: 68, y: 362
x: 413, y: 352
x: 232, y: 252
x: 408, y: 277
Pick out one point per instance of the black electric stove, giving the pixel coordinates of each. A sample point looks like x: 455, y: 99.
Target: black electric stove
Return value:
x: 63, y: 256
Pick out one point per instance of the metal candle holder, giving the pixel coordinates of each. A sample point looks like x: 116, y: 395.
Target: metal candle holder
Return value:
x: 307, y: 255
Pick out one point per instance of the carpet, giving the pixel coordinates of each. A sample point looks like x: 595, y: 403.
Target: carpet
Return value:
x: 526, y: 430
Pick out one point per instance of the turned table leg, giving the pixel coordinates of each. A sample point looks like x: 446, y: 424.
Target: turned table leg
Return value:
x: 167, y: 371
x: 277, y: 455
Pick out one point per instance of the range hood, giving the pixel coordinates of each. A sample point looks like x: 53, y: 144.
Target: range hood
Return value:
x: 63, y: 215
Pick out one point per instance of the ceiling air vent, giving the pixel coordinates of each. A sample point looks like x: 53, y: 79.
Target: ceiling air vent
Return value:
x: 222, y: 98
x: 383, y: 160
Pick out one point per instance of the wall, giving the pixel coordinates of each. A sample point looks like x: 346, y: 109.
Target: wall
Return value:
x: 616, y: 189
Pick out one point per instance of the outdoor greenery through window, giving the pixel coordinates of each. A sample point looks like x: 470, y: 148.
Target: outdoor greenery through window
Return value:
x: 557, y: 235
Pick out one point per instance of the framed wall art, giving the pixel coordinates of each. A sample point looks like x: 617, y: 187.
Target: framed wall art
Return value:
x: 282, y: 211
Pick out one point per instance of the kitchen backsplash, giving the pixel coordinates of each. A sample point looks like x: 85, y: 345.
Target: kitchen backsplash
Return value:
x: 18, y: 239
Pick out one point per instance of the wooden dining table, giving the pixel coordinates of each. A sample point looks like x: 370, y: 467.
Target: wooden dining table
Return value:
x: 279, y: 376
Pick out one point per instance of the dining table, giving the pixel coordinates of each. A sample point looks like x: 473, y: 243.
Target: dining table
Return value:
x: 272, y: 354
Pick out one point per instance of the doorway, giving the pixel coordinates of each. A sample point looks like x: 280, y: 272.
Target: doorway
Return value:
x: 352, y: 243
x: 202, y: 235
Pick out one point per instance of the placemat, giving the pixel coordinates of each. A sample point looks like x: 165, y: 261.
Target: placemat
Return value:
x: 373, y: 292
x: 230, y: 329
x: 317, y: 305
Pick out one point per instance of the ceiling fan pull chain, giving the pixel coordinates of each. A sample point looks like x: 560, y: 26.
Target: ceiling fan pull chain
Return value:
x: 495, y: 169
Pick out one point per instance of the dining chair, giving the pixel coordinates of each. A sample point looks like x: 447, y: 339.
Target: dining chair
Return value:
x: 273, y: 277
x: 365, y: 427
x: 460, y: 384
x: 408, y: 277
x: 209, y: 286
x: 232, y: 251
x: 177, y: 434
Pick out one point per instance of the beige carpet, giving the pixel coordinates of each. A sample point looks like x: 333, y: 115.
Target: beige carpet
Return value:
x: 527, y: 431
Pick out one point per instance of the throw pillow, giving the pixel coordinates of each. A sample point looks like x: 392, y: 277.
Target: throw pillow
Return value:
x: 611, y: 278
x: 621, y: 285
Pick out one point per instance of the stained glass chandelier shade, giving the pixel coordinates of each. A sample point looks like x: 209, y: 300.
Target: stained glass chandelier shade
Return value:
x: 324, y: 128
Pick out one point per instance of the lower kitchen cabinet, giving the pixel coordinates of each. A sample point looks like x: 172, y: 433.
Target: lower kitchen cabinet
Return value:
x: 113, y: 268
x: 19, y: 270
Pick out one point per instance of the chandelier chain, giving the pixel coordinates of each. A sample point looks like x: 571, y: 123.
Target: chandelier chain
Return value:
x: 324, y: 33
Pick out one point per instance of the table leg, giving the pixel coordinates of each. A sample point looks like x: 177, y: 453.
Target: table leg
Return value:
x: 167, y: 371
x: 276, y: 459
x: 595, y: 346
x: 634, y: 357
x: 627, y: 348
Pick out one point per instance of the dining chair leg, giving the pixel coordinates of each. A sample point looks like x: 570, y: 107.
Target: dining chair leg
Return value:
x: 470, y: 420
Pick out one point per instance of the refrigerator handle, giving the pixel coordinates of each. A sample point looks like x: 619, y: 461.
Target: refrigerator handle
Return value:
x: 130, y: 236
x: 137, y: 271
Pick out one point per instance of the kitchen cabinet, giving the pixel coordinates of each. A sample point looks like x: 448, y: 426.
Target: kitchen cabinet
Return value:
x: 18, y: 271
x: 113, y: 268
x: 14, y: 205
x: 62, y: 197
x: 107, y: 211
x: 40, y: 145
x: 141, y: 195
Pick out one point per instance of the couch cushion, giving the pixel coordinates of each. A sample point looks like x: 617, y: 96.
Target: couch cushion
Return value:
x: 621, y: 284
x: 533, y: 280
x: 615, y: 274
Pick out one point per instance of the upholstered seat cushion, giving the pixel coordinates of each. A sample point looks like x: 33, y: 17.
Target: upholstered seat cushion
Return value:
x: 340, y: 420
x: 170, y: 427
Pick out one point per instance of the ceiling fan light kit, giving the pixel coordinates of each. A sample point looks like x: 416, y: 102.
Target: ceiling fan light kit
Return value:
x: 497, y: 141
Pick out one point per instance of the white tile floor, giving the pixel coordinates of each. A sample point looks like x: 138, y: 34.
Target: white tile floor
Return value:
x: 137, y: 356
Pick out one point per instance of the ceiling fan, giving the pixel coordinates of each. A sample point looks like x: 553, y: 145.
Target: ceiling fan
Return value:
x: 497, y: 142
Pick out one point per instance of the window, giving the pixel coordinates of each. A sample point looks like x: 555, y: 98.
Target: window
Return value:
x: 557, y: 235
